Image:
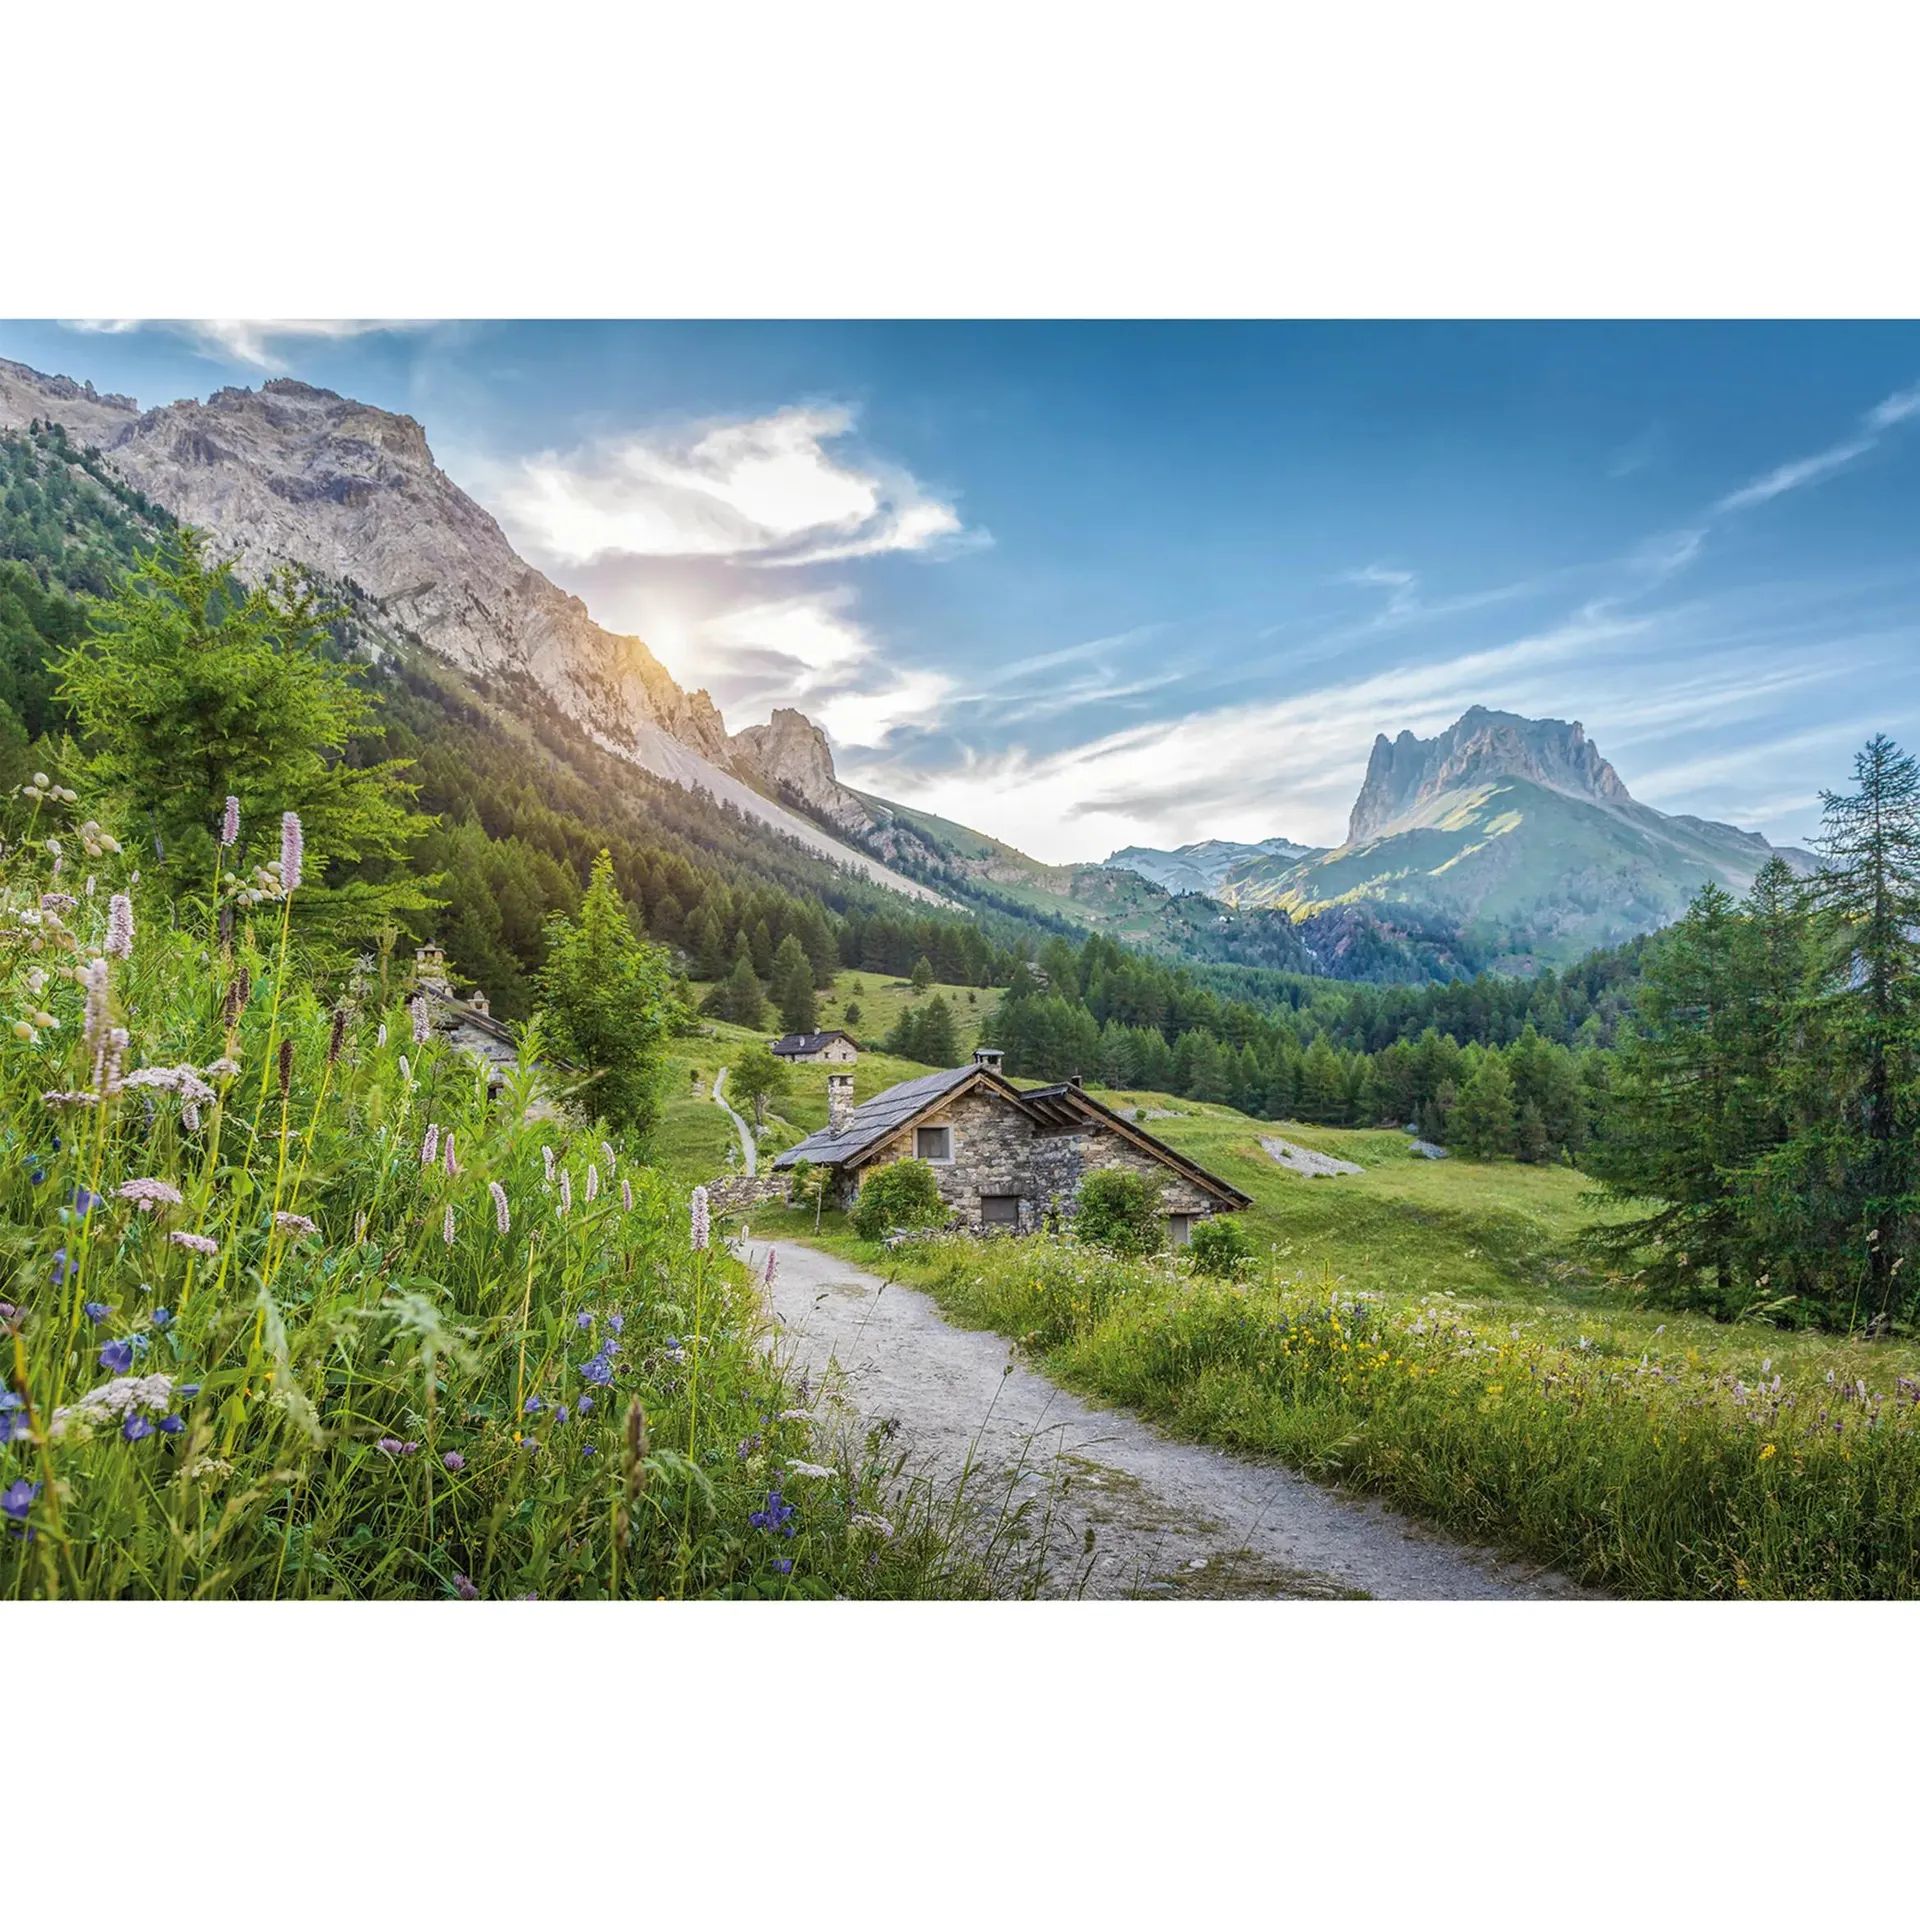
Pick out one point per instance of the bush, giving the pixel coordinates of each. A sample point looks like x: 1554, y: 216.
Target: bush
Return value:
x: 902, y: 1195
x: 1220, y: 1248
x: 1119, y: 1211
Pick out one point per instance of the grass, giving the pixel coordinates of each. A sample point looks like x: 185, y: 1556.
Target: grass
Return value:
x: 1422, y: 1331
x: 318, y: 1318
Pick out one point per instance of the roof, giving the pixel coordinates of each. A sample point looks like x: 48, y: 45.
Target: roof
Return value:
x: 811, y: 1042
x: 873, y: 1120
x: 1053, y: 1108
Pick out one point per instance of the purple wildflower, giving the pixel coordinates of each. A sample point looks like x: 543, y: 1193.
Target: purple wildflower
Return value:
x: 783, y: 1566
x: 617, y: 1321
x: 566, y: 1192
x: 293, y: 846
x: 187, y: 1392
x: 136, y: 1426
x: 95, y: 1025
x: 531, y: 1444
x: 587, y: 1453
x: 84, y: 1202
x: 429, y: 1146
x: 583, y: 1319
x: 446, y: 1225
x: 230, y: 821
x: 422, y: 1020
x: 533, y: 1403
x: 501, y: 1217
x: 161, y: 1316
x: 465, y: 1587
x: 453, y: 1462
x: 546, y: 1157
x: 593, y: 1182
x: 584, y: 1404
x: 149, y: 1193
x: 119, y: 940
x: 775, y: 1517
x: 699, y: 1219
x: 196, y: 1243
x: 173, y: 1424
x: 18, y: 1498
x: 96, y: 1311
x: 450, y: 1162
x: 598, y: 1371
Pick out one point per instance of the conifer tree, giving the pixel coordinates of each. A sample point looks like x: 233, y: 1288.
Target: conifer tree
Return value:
x: 792, y: 987
x: 1481, y: 1125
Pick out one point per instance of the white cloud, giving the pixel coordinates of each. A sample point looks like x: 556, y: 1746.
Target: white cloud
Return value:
x: 766, y: 491
x: 251, y: 342
x: 1891, y: 412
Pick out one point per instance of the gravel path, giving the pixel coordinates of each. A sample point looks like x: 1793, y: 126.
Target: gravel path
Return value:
x: 1164, y: 1518
x: 747, y: 1148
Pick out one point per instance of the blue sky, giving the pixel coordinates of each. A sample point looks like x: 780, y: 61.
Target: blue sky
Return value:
x: 1086, y: 584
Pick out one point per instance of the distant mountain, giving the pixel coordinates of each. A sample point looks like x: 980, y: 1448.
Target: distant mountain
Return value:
x: 295, y: 475
x: 1518, y: 831
x: 1202, y: 867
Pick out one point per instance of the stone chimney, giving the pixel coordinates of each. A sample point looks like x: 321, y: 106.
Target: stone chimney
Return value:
x: 839, y: 1102
x: 478, y: 1002
x: 1073, y: 1080
x: 988, y: 1057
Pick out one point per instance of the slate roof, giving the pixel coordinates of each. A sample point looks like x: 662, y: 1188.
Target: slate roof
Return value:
x: 797, y: 1043
x: 872, y: 1120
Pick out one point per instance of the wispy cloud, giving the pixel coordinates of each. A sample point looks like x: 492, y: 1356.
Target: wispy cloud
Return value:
x: 1895, y: 409
x: 767, y: 492
x: 254, y: 343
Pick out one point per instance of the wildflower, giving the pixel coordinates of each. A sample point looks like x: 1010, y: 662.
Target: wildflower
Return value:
x: 775, y: 1517
x: 531, y: 1444
x: 593, y: 1182
x: 617, y: 1321
x: 598, y: 1371
x: 149, y: 1193
x: 230, y: 821
x: 117, y: 1356
x: 501, y: 1217
x: 286, y: 1065
x: 388, y: 1444
x: 136, y: 1426
x: 422, y: 1023
x: 699, y: 1219
x: 95, y: 1022
x: 161, y: 1316
x: 18, y: 1498
x: 196, y: 1243
x: 809, y: 1470
x: 772, y: 1261
x: 626, y: 1195
x: 584, y: 1404
x: 783, y: 1566
x: 449, y: 1162
x: 561, y: 1415
x: 453, y: 1462
x: 446, y: 1225
x: 406, y: 1069
x: 534, y: 1403
x: 871, y: 1523
x: 173, y: 1424
x: 546, y: 1155
x: 293, y: 847
x: 566, y: 1192
x: 429, y: 1146
x: 588, y: 1452
x: 337, y: 1034
x: 465, y: 1587
x: 62, y: 1266
x: 119, y: 941
x: 96, y: 1311
x: 296, y: 1223
x: 607, y: 1154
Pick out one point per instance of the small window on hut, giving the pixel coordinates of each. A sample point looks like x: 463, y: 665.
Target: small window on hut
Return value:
x: 999, y: 1209
x: 933, y: 1143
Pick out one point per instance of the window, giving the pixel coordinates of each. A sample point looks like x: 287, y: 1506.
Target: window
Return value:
x: 933, y: 1143
x: 999, y: 1209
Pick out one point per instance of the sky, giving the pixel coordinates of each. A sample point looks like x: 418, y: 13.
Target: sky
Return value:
x: 1085, y: 585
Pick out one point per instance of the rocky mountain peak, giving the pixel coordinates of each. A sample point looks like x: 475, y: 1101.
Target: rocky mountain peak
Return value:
x: 1483, y: 744
x: 790, y: 757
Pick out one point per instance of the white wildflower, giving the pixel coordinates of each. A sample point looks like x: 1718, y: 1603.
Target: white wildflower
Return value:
x: 809, y: 1470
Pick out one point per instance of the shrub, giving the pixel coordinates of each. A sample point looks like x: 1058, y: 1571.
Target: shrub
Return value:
x: 1220, y: 1248
x: 1119, y: 1211
x: 901, y: 1195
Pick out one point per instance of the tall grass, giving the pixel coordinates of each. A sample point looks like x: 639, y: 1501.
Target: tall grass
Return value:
x: 293, y: 1309
x: 1653, y: 1475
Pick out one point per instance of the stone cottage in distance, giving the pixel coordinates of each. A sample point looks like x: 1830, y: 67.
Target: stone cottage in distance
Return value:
x: 1001, y: 1157
x: 831, y: 1048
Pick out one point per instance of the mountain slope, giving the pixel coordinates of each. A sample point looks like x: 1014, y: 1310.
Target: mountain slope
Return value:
x: 1203, y: 866
x: 1519, y: 831
x: 294, y: 475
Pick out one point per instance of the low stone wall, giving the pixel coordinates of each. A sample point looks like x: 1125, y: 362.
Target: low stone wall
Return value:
x: 741, y: 1192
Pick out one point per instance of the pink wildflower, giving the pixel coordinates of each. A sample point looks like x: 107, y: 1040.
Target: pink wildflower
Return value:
x: 230, y: 822
x: 422, y: 1022
x: 698, y: 1217
x: 566, y: 1192
x: 446, y: 1226
x: 149, y: 1193
x: 196, y: 1243
x: 430, y: 1146
x: 292, y: 846
x: 626, y: 1195
x: 119, y: 941
x: 593, y: 1182
x: 96, y: 1019
x: 449, y: 1162
x: 546, y: 1156
x: 501, y: 1217
x: 296, y: 1223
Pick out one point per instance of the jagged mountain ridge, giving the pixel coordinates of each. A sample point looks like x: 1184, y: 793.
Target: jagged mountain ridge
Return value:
x: 290, y: 474
x: 1205, y: 864
x: 1516, y: 830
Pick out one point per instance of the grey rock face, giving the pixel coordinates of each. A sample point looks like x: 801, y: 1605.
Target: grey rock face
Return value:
x: 791, y: 758
x: 1479, y: 746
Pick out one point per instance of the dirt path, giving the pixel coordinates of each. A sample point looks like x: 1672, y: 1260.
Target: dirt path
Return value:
x: 1165, y: 1518
x: 747, y: 1148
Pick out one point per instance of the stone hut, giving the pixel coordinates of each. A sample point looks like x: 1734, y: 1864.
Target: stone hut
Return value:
x: 1002, y: 1158
x: 831, y: 1048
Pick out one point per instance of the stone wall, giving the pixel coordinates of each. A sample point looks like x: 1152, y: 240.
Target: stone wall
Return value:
x: 741, y: 1192
x: 998, y: 1150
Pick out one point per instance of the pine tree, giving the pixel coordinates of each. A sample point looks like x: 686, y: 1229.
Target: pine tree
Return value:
x: 1481, y: 1125
x: 939, y: 1044
x: 922, y: 976
x: 1531, y: 1143
x: 738, y: 997
x: 792, y: 987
